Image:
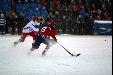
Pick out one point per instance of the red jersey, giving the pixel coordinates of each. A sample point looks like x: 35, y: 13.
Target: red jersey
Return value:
x: 47, y: 32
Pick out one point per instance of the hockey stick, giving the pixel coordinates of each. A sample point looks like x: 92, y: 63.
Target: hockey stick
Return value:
x: 68, y: 51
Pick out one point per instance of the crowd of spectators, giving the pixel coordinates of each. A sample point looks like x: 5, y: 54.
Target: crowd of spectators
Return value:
x: 72, y: 16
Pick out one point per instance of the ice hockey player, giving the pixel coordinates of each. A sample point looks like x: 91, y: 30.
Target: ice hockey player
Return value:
x: 44, y: 36
x: 30, y: 29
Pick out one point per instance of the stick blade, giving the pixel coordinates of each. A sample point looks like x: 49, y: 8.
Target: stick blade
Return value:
x: 76, y: 55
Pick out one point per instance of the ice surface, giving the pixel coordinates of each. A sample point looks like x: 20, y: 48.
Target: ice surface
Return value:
x: 96, y: 58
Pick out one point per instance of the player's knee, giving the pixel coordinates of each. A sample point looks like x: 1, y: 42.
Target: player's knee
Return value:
x: 47, y: 47
x: 34, y: 45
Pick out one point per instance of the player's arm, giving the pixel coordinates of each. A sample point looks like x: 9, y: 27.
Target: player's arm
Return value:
x: 53, y: 35
x: 34, y: 29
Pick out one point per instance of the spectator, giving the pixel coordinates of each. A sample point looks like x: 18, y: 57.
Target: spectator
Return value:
x: 11, y: 22
x: 74, y: 8
x: 20, y: 22
x: 2, y: 23
x: 70, y: 9
x: 83, y: 12
x: 44, y: 12
x: 104, y: 16
x: 56, y: 3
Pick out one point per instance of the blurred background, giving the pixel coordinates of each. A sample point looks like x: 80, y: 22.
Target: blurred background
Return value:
x: 78, y: 17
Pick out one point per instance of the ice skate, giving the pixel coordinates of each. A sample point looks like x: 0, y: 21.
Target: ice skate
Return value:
x: 15, y: 43
x: 44, y: 53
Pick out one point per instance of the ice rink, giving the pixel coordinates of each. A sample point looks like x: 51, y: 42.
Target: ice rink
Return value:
x: 95, y: 58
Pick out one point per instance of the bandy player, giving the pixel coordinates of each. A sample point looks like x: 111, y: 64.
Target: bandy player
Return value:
x: 30, y: 29
x: 44, y: 35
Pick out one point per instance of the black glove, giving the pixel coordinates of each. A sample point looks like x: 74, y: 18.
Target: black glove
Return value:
x: 55, y: 40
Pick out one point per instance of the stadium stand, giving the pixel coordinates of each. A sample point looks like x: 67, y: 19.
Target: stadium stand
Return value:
x: 72, y: 16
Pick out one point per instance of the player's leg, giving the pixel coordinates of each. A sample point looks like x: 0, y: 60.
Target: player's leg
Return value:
x: 33, y: 34
x: 22, y: 39
x: 36, y: 43
x: 47, y: 42
x: 46, y: 49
